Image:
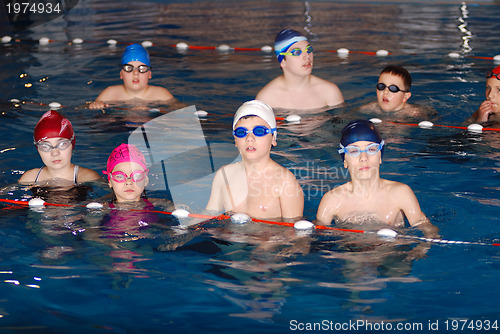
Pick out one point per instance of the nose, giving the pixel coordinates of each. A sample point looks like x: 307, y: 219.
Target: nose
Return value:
x: 363, y: 156
x: 54, y: 151
x: 250, y: 137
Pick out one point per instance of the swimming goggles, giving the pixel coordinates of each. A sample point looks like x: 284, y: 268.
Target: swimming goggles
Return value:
x: 491, y: 74
x: 392, y: 88
x: 141, y: 68
x: 297, y: 52
x: 47, y: 147
x: 354, y: 151
x: 259, y: 131
x: 120, y: 177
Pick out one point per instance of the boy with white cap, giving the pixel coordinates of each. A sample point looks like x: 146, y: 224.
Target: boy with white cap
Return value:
x: 297, y: 88
x: 135, y: 73
x: 256, y: 186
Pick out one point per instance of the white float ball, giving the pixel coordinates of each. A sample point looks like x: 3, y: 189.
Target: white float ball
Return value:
x: 387, y: 232
x: 303, y: 225
x: 180, y: 213
x: 36, y: 202
x: 147, y: 44
x: 425, y: 124
x: 293, y: 118
x: 94, y: 205
x: 376, y: 120
x: 382, y: 53
x: 475, y: 127
x: 240, y: 218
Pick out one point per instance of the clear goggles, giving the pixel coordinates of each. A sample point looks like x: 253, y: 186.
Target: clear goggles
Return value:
x: 354, y: 151
x: 141, y: 68
x: 47, y: 147
x: 120, y: 177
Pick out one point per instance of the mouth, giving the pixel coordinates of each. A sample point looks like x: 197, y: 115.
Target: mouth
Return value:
x: 364, y: 169
x: 250, y: 149
x: 56, y: 161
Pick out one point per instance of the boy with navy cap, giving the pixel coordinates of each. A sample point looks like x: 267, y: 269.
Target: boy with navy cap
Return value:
x: 367, y: 197
x: 257, y: 185
x: 297, y: 88
x: 135, y: 73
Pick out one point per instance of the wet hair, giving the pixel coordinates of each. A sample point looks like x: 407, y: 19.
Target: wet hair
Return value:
x: 400, y: 72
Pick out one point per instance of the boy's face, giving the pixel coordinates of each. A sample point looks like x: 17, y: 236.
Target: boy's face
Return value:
x: 493, y: 94
x: 135, y: 80
x: 387, y: 100
x: 364, y: 166
x: 252, y: 147
x: 302, y: 64
x: 130, y: 190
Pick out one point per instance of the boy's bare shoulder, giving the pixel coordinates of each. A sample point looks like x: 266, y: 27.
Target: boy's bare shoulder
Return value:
x: 86, y: 175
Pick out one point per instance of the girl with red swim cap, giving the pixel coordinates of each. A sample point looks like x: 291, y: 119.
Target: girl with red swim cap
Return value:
x: 489, y: 110
x: 54, y: 139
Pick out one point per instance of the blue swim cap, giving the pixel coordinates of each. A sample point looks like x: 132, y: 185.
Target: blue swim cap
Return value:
x: 285, y: 39
x: 135, y: 52
x: 359, y: 130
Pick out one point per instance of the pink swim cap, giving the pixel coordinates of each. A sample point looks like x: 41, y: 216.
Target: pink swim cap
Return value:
x: 53, y: 125
x: 125, y: 153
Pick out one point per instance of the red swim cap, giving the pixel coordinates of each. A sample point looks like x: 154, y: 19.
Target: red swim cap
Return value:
x: 496, y: 70
x: 53, y: 125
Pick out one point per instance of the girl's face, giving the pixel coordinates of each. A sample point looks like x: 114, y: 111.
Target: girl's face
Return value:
x: 387, y: 100
x: 493, y: 93
x: 132, y: 186
x: 364, y: 166
x: 59, y: 152
x: 135, y: 80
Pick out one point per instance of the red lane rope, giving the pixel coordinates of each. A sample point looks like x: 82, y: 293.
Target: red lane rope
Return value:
x: 223, y: 217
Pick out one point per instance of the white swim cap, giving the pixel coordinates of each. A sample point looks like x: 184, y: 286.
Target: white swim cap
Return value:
x: 256, y: 108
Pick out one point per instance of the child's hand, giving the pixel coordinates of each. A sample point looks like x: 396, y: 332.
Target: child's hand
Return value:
x: 98, y: 105
x: 484, y: 111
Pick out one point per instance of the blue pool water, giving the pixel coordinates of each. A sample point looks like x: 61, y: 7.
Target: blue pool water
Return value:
x: 64, y: 271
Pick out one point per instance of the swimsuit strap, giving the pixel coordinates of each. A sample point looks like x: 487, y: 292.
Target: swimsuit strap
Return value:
x: 37, y: 175
x: 75, y: 178
x: 228, y: 189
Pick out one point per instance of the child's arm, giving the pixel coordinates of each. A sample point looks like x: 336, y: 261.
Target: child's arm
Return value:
x: 291, y: 198
x: 411, y: 209
x: 108, y: 94
x: 483, y: 113
x: 216, y: 201
x: 326, y: 209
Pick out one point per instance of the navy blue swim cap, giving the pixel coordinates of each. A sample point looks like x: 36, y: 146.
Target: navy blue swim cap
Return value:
x: 285, y: 39
x: 359, y: 130
x: 135, y: 52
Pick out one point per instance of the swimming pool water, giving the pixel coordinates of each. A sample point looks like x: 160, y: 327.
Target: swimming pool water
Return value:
x: 60, y: 271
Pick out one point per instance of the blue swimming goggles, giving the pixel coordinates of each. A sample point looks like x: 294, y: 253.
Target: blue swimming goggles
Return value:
x: 354, y: 151
x: 259, y: 131
x: 297, y: 52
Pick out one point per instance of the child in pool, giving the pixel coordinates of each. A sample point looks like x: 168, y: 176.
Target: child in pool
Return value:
x: 54, y: 139
x: 393, y: 92
x: 367, y: 197
x: 127, y: 173
x: 489, y: 110
x: 135, y: 73
x: 297, y: 88
x: 257, y: 186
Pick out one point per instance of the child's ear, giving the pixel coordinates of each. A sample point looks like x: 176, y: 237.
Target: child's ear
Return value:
x: 407, y: 96
x: 345, y: 164
x: 146, y: 182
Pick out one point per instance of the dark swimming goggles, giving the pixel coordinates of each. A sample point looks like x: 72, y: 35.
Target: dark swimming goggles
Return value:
x: 297, y: 52
x: 392, y: 88
x: 491, y: 74
x: 141, y: 68
x: 259, y: 131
